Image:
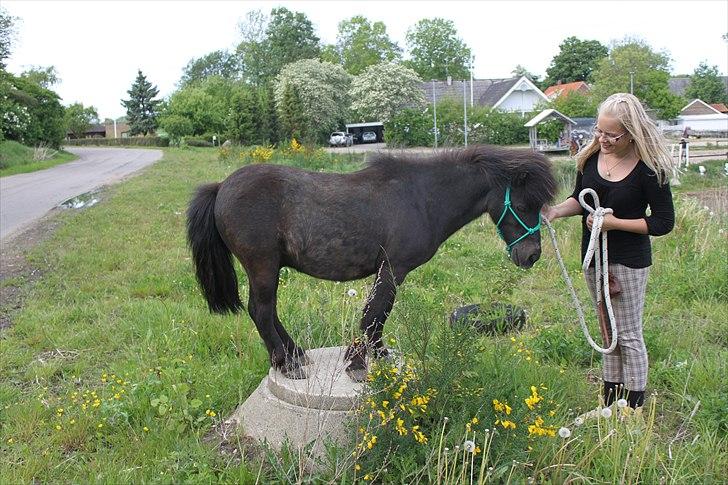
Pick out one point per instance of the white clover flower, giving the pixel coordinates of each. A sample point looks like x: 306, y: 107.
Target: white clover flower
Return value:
x: 469, y: 446
x: 352, y: 292
x: 579, y: 421
x: 564, y: 432
x: 607, y: 412
x: 622, y: 403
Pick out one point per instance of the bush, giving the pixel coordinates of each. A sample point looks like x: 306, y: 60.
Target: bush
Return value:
x: 142, y: 141
x: 198, y: 141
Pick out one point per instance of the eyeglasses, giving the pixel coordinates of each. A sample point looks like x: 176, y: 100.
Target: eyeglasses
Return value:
x: 609, y: 138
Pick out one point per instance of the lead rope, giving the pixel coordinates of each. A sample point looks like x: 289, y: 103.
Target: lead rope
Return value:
x: 603, y: 271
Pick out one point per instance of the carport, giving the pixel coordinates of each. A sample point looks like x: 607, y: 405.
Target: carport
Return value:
x: 357, y: 129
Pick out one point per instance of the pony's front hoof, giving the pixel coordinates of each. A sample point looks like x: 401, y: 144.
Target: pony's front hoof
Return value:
x: 293, y: 372
x: 357, y: 375
x: 301, y: 357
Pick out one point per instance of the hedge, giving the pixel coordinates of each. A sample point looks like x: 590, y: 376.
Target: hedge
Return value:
x: 135, y: 141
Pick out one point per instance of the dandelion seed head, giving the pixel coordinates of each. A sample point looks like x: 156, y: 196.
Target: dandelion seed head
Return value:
x: 352, y: 292
x: 469, y: 446
x: 622, y: 403
x: 606, y: 412
x: 564, y: 432
x: 579, y: 421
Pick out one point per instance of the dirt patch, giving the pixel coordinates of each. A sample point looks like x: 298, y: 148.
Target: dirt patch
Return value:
x: 17, y: 274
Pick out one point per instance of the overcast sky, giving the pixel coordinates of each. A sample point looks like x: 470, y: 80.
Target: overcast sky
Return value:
x: 98, y: 46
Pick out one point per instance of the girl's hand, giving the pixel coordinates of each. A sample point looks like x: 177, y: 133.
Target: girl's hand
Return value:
x: 549, y: 212
x: 609, y: 222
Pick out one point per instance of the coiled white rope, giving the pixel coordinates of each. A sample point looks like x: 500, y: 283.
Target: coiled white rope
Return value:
x: 601, y: 269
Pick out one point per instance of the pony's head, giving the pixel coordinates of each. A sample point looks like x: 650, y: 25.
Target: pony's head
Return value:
x: 521, y: 183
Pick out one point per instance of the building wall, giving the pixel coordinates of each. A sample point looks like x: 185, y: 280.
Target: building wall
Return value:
x: 520, y: 101
x: 701, y: 123
x: 122, y: 130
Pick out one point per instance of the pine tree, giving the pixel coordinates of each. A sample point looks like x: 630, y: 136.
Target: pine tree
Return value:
x: 141, y: 107
x: 293, y: 124
x: 271, y: 129
x: 242, y: 121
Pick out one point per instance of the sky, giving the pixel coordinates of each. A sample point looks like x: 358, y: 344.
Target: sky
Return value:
x: 97, y: 46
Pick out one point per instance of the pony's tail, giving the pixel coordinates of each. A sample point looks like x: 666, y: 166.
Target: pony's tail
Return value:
x: 213, y: 260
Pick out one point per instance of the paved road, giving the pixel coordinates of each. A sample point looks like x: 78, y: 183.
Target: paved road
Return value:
x: 25, y: 198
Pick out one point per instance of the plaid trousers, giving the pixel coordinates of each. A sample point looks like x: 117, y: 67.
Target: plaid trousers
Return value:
x: 627, y: 363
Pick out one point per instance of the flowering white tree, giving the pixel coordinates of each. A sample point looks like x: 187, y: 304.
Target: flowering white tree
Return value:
x: 383, y: 90
x: 323, y: 89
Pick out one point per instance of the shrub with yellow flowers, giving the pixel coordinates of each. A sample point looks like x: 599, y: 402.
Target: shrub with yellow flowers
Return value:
x: 261, y: 154
x: 463, y: 399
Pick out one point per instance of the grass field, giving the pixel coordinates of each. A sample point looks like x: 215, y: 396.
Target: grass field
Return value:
x: 114, y: 371
x: 17, y: 158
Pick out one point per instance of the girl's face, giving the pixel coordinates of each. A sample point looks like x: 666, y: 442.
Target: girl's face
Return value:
x: 612, y: 136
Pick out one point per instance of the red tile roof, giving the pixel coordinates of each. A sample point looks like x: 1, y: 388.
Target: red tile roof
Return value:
x: 560, y: 89
x: 720, y: 107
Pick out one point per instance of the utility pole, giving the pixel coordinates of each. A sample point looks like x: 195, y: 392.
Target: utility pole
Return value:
x: 465, y: 114
x: 472, y: 60
x: 434, y: 109
x: 631, y: 82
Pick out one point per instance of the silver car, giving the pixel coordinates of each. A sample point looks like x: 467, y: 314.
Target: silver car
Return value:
x: 368, y: 137
x: 340, y: 139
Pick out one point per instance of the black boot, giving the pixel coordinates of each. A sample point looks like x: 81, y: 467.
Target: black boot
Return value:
x: 611, y: 391
x: 635, y: 399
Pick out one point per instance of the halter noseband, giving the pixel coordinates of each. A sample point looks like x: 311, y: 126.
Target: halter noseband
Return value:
x: 506, y: 208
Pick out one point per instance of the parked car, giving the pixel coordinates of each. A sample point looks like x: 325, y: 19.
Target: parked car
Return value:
x: 341, y: 139
x: 368, y: 137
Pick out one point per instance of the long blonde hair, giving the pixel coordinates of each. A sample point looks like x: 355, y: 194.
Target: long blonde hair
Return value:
x: 650, y: 145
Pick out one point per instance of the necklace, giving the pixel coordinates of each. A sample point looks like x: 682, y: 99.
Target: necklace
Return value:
x: 609, y: 169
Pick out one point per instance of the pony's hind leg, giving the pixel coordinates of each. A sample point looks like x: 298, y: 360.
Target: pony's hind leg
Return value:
x: 379, y: 304
x: 263, y: 283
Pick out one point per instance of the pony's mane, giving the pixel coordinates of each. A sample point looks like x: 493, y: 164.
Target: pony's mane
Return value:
x: 500, y: 166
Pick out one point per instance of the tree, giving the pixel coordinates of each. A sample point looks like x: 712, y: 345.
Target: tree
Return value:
x: 383, y: 90
x: 360, y: 43
x: 44, y: 77
x: 252, y: 51
x: 292, y: 117
x: 7, y: 35
x: 436, y: 51
x: 576, y: 61
x: 31, y: 114
x: 290, y: 37
x: 78, y: 118
x: 519, y: 71
x: 650, y: 75
x: 323, y: 89
x: 205, y: 105
x: 244, y: 118
x: 576, y: 105
x: 218, y: 63
x: 141, y: 107
x: 706, y: 85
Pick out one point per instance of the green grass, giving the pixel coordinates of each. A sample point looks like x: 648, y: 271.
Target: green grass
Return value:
x: 17, y: 158
x: 120, y: 319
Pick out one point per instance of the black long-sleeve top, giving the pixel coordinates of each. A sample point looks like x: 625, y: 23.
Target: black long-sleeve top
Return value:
x: 628, y: 199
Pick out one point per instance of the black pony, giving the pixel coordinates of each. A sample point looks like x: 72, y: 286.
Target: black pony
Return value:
x: 388, y: 219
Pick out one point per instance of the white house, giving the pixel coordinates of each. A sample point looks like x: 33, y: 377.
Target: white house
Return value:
x: 699, y: 116
x: 517, y: 94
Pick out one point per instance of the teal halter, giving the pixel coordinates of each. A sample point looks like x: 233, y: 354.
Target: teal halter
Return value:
x: 506, y: 208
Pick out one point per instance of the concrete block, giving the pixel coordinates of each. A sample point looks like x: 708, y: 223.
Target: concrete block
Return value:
x: 304, y: 412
